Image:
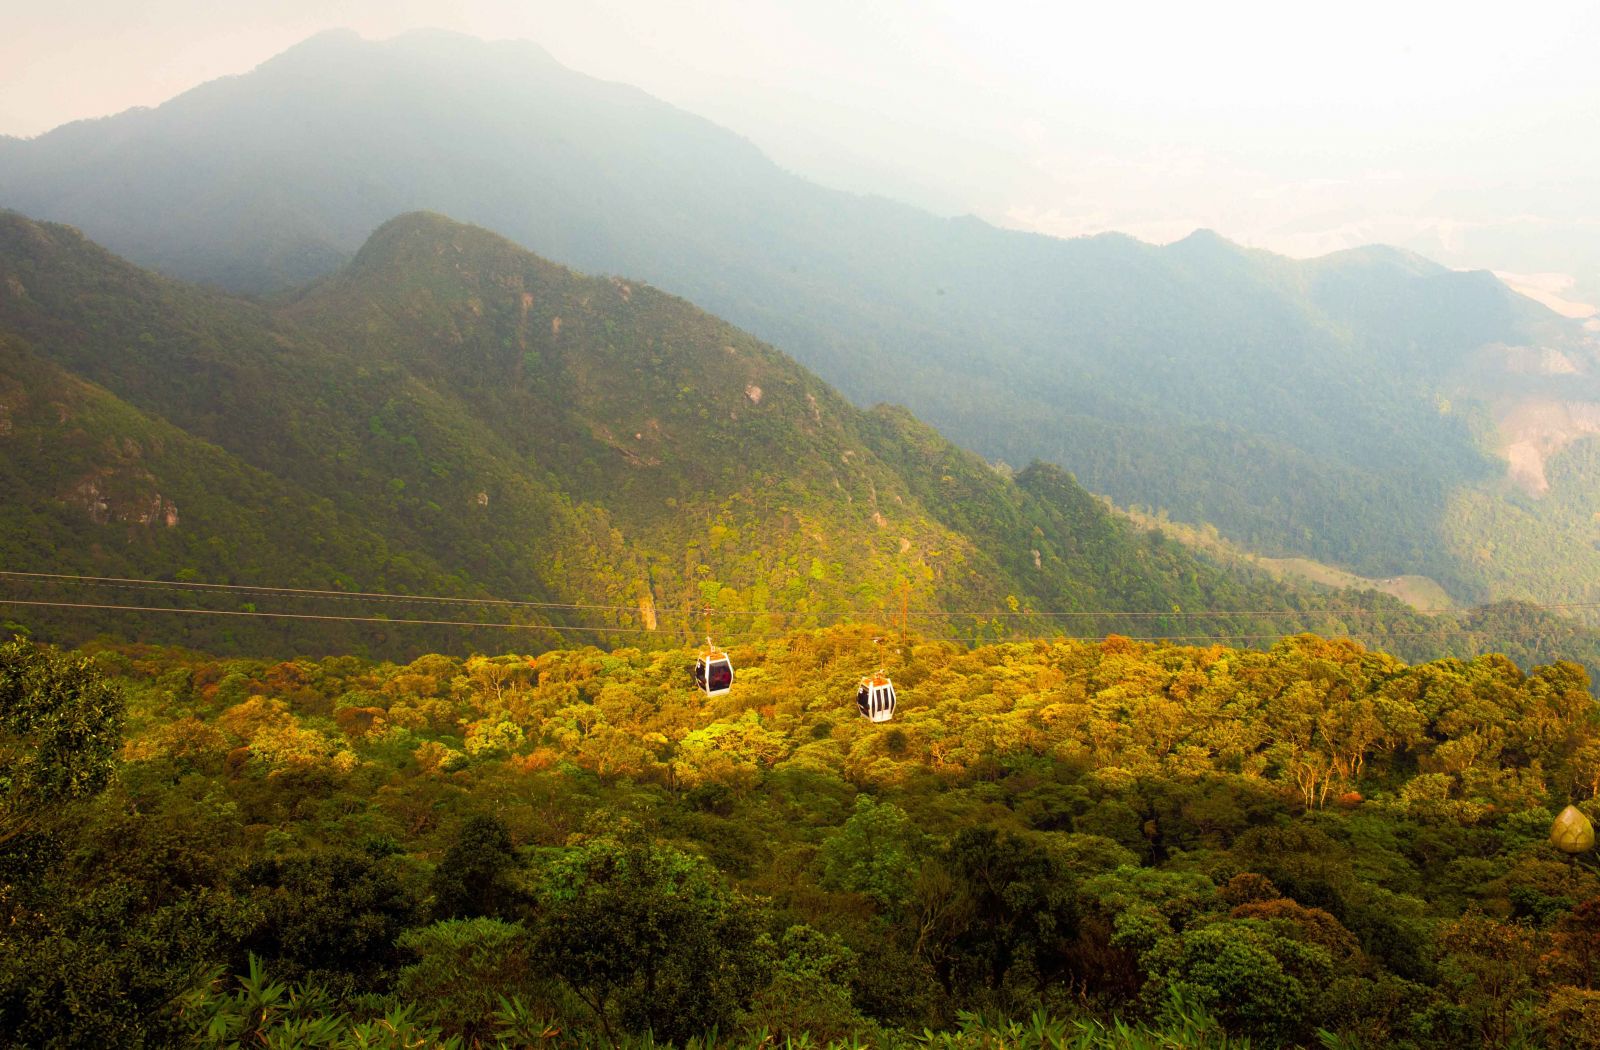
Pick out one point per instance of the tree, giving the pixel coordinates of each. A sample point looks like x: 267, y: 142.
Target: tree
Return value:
x: 1020, y: 907
x: 473, y: 879
x: 876, y: 853
x: 60, y: 727
x: 1570, y: 1019
x: 648, y: 937
x: 809, y: 994
x: 1577, y: 943
x: 1233, y: 970
x: 332, y: 916
x: 1489, y: 966
x: 101, y: 968
x: 463, y: 969
x: 112, y: 914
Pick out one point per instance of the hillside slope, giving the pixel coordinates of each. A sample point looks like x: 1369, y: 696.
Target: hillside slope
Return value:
x: 452, y: 415
x: 462, y: 417
x: 90, y: 483
x: 1368, y: 409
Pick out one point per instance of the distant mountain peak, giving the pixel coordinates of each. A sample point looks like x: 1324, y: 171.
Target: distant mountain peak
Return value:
x: 316, y: 46
x: 1386, y: 254
x: 1205, y: 237
x: 1207, y: 246
x: 427, y: 40
x: 414, y: 226
x: 425, y: 245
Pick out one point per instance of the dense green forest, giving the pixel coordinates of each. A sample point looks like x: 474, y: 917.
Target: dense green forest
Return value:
x: 1054, y: 843
x: 1353, y: 408
x: 453, y: 416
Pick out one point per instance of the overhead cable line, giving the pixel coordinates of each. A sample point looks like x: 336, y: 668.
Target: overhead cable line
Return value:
x: 322, y: 594
x: 329, y: 617
x: 1186, y: 615
x: 319, y: 616
x: 122, y: 582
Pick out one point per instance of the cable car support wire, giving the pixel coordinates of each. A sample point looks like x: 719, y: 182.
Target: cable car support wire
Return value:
x: 929, y: 616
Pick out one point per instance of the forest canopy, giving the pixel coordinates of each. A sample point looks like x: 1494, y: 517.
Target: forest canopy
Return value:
x: 1314, y: 842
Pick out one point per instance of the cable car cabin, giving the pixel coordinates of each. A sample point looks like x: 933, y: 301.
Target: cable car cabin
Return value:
x: 713, y: 672
x: 875, y: 697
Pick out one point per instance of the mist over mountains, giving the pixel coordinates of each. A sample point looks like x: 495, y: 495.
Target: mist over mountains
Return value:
x: 1369, y: 409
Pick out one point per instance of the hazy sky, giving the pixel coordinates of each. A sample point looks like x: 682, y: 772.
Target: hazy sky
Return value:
x: 1470, y: 132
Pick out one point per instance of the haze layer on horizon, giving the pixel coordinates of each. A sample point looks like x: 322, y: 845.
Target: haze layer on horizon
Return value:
x: 1461, y: 131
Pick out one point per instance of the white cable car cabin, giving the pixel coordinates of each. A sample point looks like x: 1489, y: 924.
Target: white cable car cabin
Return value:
x: 875, y: 697
x: 713, y: 671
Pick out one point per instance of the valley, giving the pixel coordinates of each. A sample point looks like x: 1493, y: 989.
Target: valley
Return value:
x: 1419, y: 592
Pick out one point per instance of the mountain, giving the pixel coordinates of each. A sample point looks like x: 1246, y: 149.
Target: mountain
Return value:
x: 91, y: 479
x: 451, y: 415
x: 1369, y: 409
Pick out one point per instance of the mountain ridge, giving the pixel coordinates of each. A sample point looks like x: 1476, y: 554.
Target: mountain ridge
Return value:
x: 235, y: 373
x: 1320, y: 408
x: 496, y: 426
